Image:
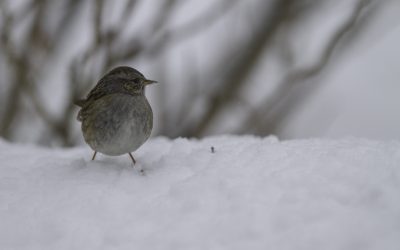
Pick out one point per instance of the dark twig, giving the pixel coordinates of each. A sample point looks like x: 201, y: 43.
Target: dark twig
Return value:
x: 242, y: 66
x: 267, y: 111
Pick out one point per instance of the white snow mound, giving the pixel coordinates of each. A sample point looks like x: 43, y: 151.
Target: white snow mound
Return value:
x: 251, y: 193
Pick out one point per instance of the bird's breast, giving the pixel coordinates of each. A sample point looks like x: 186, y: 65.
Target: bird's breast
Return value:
x: 117, y: 124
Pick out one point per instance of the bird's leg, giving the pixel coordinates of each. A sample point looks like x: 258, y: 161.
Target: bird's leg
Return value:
x: 133, y: 159
x: 141, y: 171
x: 94, y: 155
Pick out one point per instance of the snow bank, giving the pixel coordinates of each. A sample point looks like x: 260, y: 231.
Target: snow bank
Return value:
x: 251, y: 193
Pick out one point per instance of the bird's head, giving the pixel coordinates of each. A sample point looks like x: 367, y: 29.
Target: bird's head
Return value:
x: 133, y: 80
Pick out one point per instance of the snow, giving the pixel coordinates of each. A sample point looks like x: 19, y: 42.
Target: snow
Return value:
x: 251, y: 193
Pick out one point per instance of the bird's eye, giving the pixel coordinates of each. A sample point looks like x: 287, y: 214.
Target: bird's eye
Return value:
x: 136, y: 80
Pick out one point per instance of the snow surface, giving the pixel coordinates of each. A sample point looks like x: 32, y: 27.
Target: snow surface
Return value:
x: 251, y: 193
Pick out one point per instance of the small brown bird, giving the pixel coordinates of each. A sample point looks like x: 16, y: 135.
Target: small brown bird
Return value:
x: 116, y: 116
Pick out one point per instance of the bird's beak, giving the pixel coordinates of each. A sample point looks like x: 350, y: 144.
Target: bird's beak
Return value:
x: 147, y: 82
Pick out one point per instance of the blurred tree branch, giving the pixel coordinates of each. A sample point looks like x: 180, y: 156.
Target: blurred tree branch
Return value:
x: 17, y: 65
x: 270, y: 114
x: 267, y: 117
x: 32, y: 37
x: 238, y: 71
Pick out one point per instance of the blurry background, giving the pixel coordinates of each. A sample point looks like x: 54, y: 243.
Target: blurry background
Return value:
x: 293, y: 68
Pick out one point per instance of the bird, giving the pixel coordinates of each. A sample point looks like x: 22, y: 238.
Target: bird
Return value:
x: 116, y: 117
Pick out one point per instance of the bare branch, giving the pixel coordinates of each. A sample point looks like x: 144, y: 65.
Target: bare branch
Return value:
x: 11, y: 104
x: 268, y: 110
x: 173, y: 37
x: 242, y: 66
